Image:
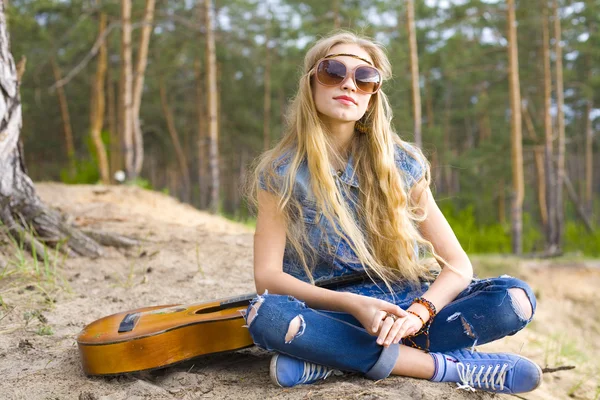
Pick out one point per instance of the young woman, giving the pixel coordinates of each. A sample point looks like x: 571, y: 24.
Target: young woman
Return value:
x: 342, y: 195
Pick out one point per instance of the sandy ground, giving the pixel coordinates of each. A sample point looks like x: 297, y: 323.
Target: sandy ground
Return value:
x: 188, y: 256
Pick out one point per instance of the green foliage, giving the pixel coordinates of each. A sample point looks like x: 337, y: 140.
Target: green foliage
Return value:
x: 474, y: 237
x: 142, y: 183
x: 578, y: 239
x: 86, y: 171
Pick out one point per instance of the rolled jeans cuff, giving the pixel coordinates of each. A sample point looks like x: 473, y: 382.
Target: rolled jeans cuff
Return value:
x: 385, y: 364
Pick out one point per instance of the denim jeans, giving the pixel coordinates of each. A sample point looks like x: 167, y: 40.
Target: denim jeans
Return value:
x: 483, y: 312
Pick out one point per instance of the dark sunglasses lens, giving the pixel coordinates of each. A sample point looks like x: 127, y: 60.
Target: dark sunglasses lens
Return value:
x: 367, y: 79
x: 331, y: 72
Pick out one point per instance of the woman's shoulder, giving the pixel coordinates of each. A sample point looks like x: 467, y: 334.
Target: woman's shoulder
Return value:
x: 410, y: 160
x: 271, y: 175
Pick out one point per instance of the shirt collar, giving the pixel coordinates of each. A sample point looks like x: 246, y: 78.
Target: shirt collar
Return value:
x: 349, y: 176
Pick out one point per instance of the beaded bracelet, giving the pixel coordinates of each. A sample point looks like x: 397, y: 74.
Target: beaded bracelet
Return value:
x: 414, y: 313
x: 425, y: 328
x: 428, y: 305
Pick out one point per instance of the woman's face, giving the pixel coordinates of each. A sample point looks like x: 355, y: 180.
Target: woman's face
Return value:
x: 327, y: 98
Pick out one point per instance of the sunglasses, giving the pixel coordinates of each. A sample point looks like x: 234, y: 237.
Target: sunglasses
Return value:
x: 329, y: 72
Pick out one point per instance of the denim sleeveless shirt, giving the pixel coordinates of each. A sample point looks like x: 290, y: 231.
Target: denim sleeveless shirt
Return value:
x: 333, y: 249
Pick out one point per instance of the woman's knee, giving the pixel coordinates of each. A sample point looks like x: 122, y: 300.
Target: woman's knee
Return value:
x: 521, y: 304
x: 521, y: 295
x: 274, y: 318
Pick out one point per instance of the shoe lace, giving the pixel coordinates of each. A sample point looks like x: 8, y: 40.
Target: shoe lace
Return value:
x: 314, y: 371
x: 471, y: 376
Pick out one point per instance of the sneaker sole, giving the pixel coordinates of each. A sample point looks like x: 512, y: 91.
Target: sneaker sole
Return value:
x: 273, y: 370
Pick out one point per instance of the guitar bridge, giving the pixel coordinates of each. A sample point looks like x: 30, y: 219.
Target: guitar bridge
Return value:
x: 129, y: 322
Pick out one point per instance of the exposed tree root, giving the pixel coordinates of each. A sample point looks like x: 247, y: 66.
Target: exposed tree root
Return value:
x: 111, y: 239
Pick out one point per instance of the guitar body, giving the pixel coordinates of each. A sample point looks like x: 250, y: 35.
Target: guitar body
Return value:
x: 159, y: 336
x: 155, y: 337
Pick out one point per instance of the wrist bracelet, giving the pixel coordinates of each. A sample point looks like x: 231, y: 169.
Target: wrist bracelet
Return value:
x: 428, y: 305
x: 414, y: 313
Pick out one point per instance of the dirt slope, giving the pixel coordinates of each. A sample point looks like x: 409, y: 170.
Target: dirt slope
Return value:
x: 188, y: 256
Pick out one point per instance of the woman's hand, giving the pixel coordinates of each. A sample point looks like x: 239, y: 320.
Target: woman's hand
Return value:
x: 373, y: 315
x: 401, y: 328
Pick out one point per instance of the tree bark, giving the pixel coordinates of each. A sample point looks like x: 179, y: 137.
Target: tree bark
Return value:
x: 501, y: 202
x: 538, y: 152
x: 116, y: 156
x: 98, y: 104
x: 560, y: 161
x: 551, y: 246
x: 23, y: 214
x: 211, y: 83
x: 267, y: 94
x: 589, y: 151
x: 516, y: 135
x: 66, y: 118
x: 138, y: 85
x: 126, y: 89
x: 414, y: 70
x: 181, y: 158
x: 202, y: 138
x: 445, y: 157
x: 485, y: 130
x: 337, y: 20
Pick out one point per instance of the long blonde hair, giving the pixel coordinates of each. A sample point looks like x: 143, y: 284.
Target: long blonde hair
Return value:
x: 384, y: 233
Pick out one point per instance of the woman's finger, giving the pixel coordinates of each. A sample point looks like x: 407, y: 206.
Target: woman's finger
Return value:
x: 397, y: 327
x: 397, y: 311
x: 385, y: 328
x: 378, y: 321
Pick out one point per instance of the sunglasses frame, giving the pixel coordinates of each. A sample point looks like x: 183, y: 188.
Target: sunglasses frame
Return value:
x: 349, y: 72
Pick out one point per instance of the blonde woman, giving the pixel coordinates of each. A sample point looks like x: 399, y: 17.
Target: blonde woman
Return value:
x: 341, y: 195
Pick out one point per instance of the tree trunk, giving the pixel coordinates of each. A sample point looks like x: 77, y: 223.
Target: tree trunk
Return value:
x: 116, y: 157
x: 501, y: 202
x: 181, y: 158
x: 485, y: 129
x: 267, y: 95
x: 538, y: 152
x: 337, y: 20
x: 589, y: 151
x: 560, y: 170
x: 99, y: 103
x: 211, y: 83
x: 516, y: 138
x: 414, y: 70
x: 26, y: 218
x: 202, y: 138
x: 66, y: 117
x: 138, y: 85
x: 551, y: 246
x: 445, y: 158
x: 126, y: 89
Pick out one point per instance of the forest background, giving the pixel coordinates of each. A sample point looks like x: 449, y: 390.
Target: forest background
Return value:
x: 183, y: 95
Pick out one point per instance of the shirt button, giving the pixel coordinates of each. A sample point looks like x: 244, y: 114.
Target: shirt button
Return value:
x: 339, y: 172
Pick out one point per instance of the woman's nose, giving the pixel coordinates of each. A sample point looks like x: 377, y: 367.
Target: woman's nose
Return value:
x: 348, y: 83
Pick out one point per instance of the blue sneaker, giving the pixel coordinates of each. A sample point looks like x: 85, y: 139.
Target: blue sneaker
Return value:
x: 490, y: 372
x: 287, y: 371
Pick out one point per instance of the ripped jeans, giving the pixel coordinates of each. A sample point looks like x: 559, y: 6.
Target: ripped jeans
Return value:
x: 483, y: 312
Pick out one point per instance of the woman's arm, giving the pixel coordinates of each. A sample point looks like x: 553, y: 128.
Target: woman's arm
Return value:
x: 269, y: 246
x: 436, y: 229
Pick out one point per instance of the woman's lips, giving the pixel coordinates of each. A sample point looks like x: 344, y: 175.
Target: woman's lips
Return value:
x: 345, y: 101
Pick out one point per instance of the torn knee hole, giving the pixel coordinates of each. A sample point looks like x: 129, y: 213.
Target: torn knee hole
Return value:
x: 295, y: 328
x: 521, y: 303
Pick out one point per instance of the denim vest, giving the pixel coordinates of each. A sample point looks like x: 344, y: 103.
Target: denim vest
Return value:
x: 332, y: 248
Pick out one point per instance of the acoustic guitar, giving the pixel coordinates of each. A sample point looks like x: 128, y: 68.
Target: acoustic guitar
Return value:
x: 159, y: 336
